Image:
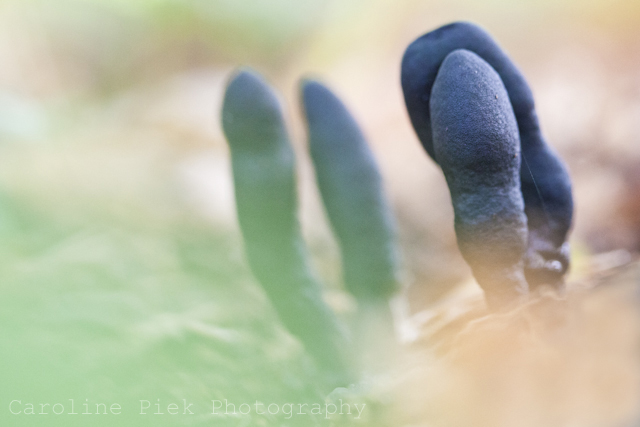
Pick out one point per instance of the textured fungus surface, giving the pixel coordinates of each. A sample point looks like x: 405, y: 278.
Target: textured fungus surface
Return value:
x: 475, y: 139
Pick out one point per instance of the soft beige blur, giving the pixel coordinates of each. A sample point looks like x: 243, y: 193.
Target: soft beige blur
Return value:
x: 569, y: 361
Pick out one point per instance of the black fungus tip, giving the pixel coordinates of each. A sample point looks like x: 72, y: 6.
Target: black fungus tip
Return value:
x: 250, y: 108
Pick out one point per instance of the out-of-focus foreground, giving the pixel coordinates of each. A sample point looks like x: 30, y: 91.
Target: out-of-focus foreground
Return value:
x: 122, y: 272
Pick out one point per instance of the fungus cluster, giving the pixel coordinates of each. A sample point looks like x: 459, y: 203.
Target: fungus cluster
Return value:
x: 467, y: 111
x: 474, y: 115
x: 263, y: 165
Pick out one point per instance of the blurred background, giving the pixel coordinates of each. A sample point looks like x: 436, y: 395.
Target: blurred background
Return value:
x: 123, y: 275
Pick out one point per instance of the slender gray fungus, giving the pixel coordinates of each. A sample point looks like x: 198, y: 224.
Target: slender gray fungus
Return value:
x: 352, y: 192
x: 264, y: 177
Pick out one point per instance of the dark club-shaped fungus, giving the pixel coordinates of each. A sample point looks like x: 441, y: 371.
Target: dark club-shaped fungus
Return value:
x: 475, y: 139
x: 265, y: 188
x: 544, y: 181
x: 352, y: 192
